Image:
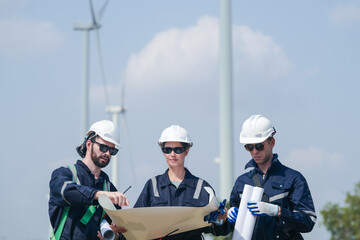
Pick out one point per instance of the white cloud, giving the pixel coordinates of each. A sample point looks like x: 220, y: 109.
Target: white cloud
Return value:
x: 257, y: 55
x: 177, y: 55
x: 21, y: 37
x: 191, y: 55
x: 313, y: 158
x: 346, y: 15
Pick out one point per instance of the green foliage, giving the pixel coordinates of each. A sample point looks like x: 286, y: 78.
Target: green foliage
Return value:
x: 227, y: 237
x: 344, y: 222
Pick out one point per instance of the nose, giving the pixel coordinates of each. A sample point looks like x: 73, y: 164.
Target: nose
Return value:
x: 108, y: 152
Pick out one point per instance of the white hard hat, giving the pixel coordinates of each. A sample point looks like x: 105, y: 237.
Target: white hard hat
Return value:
x: 106, y: 130
x: 256, y: 129
x: 175, y: 133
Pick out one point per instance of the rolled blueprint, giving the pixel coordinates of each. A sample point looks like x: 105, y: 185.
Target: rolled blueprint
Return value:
x: 106, y: 231
x: 245, y: 221
x: 246, y: 195
x: 250, y: 219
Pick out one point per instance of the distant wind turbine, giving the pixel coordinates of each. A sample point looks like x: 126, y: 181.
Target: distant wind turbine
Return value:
x: 86, y: 28
x: 114, y: 110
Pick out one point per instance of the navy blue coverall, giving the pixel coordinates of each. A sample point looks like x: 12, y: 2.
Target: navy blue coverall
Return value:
x: 166, y: 194
x: 64, y: 192
x: 284, y: 187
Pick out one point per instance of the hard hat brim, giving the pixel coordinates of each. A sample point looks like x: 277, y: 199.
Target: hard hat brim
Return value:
x: 117, y: 145
x: 246, y: 140
x: 252, y: 140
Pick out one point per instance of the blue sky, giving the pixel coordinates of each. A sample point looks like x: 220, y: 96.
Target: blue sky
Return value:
x: 297, y: 63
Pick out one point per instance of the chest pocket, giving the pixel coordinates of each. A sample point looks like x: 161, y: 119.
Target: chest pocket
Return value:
x: 280, y: 190
x: 157, y: 201
x: 194, y: 201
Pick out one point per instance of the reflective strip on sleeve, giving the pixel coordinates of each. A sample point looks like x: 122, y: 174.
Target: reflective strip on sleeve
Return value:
x: 311, y: 214
x: 154, y: 183
x: 63, y: 189
x: 198, y: 189
x: 75, y: 179
x: 279, y: 196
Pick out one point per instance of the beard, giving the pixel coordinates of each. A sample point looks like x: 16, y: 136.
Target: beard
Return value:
x: 97, y: 160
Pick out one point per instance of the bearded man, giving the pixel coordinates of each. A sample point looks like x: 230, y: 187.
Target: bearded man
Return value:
x: 74, y: 209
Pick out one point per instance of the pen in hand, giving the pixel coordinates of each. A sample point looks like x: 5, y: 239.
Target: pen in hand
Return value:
x: 126, y: 189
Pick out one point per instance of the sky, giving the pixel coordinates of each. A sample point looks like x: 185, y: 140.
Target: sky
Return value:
x: 297, y: 63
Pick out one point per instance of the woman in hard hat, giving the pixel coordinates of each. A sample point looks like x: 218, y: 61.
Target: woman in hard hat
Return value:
x: 177, y: 186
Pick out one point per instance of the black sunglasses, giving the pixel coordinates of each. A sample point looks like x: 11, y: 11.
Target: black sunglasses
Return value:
x: 177, y: 150
x: 104, y: 148
x: 258, y: 146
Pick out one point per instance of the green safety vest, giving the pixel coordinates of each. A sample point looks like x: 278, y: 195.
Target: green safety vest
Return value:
x: 88, y: 214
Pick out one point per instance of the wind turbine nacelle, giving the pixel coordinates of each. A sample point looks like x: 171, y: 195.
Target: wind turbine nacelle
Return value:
x: 115, y: 109
x: 85, y: 26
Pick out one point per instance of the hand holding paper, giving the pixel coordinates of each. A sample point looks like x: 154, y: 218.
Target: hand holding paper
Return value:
x: 117, y: 198
x: 156, y: 222
x: 263, y: 209
x: 218, y: 216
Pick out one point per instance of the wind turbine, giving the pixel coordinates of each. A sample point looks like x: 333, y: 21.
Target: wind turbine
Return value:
x: 86, y: 27
x: 114, y: 110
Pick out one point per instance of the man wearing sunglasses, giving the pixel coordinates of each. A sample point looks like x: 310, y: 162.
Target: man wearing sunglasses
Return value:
x: 74, y: 190
x: 287, y: 207
x: 177, y: 186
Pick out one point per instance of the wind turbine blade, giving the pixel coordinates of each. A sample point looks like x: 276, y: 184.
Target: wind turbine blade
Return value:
x: 92, y: 13
x: 97, y: 37
x: 102, y: 9
x: 123, y: 118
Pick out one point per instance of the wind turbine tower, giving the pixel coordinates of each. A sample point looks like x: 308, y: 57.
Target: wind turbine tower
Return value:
x: 86, y: 27
x: 115, y: 111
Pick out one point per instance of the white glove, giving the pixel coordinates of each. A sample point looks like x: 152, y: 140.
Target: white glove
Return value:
x: 263, y: 209
x: 232, y: 214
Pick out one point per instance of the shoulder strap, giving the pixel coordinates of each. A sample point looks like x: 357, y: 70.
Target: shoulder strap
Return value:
x: 155, y: 189
x: 106, y: 186
x: 198, y: 188
x: 255, y: 178
x: 257, y: 183
x: 60, y: 228
x: 92, y: 208
x: 88, y: 214
x: 74, y: 174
